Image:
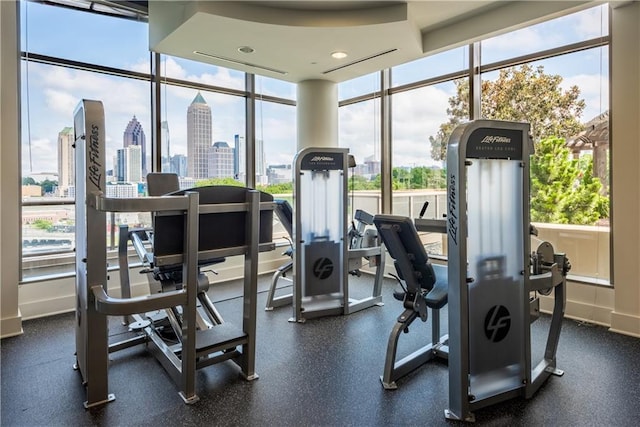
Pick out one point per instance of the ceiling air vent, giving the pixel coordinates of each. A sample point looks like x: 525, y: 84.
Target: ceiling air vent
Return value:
x: 246, y: 64
x: 358, y: 61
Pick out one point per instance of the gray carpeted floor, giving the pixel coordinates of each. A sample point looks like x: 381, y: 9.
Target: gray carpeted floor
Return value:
x: 324, y: 372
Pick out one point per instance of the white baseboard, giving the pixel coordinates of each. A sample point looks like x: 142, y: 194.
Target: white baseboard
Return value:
x: 11, y: 326
x: 625, y: 324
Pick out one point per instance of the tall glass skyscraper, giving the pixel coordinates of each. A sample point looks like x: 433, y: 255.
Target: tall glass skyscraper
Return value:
x: 165, y: 164
x: 239, y: 166
x: 134, y: 135
x: 199, y: 137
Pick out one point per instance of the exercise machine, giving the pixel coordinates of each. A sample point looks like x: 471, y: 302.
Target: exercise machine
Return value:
x: 284, y: 213
x: 324, y: 250
x: 424, y: 290
x: 186, y: 236
x: 363, y: 246
x: 493, y: 277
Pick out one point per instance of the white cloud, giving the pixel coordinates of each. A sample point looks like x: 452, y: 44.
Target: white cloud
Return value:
x: 417, y: 115
x: 42, y: 155
x: 529, y: 37
x: 59, y: 101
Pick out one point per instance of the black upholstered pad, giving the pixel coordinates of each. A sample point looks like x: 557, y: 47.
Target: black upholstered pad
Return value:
x: 160, y: 183
x: 285, y: 214
x: 437, y: 296
x: 217, y: 230
x: 403, y: 243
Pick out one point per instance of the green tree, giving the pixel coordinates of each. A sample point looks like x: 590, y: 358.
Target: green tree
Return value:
x: 43, y: 224
x: 359, y: 182
x: 401, y: 178
x: 219, y: 181
x: 563, y: 190
x: 282, y: 188
x: 522, y: 94
x: 28, y: 181
x: 48, y: 186
x: 424, y: 177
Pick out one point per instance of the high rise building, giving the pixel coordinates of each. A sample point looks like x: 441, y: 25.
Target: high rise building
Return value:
x: 134, y: 135
x: 239, y: 158
x: 128, y: 164
x: 221, y: 160
x: 66, y: 162
x: 179, y: 165
x: 261, y: 164
x: 199, y: 136
x: 165, y: 142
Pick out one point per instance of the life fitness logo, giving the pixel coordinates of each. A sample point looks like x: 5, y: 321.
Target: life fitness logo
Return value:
x: 497, y: 323
x: 322, y: 268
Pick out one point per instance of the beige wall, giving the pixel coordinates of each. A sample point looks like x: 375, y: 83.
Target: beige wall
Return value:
x: 619, y: 308
x: 10, y: 319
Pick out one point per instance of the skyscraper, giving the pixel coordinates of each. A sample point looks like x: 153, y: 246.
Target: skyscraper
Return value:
x: 166, y: 147
x: 199, y: 137
x: 261, y: 164
x: 128, y: 164
x: 66, y: 161
x: 221, y: 160
x: 239, y: 166
x: 179, y: 165
x: 134, y: 135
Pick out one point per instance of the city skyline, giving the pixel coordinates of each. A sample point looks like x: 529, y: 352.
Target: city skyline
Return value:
x: 220, y: 158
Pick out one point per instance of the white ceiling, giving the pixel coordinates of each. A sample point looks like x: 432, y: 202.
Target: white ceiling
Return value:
x: 293, y: 40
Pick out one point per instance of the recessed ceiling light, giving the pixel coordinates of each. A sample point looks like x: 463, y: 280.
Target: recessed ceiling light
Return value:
x: 339, y: 55
x: 245, y: 49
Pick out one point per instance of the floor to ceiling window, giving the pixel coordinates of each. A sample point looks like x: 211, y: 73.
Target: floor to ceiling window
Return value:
x: 202, y: 122
x: 359, y: 130
x: 59, y: 69
x: 555, y: 75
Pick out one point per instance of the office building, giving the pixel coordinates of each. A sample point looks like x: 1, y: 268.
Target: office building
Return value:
x: 66, y: 161
x: 134, y: 136
x: 239, y: 158
x: 198, y: 138
x: 179, y: 165
x: 221, y: 160
x: 129, y: 164
x: 166, y: 145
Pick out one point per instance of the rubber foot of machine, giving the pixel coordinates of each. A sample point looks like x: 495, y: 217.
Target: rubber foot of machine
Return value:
x: 110, y: 398
x: 388, y: 386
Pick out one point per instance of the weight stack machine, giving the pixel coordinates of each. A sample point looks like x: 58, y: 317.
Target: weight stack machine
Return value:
x: 319, y: 229
x: 494, y: 278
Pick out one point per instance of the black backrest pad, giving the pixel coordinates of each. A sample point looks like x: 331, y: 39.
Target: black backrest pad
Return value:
x: 401, y: 239
x: 160, y: 183
x: 217, y: 230
x: 285, y: 215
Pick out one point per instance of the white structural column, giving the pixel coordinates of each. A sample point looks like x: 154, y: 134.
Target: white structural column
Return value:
x: 625, y: 156
x: 317, y: 114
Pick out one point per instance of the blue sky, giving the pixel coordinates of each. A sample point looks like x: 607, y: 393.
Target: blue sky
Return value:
x: 54, y: 92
